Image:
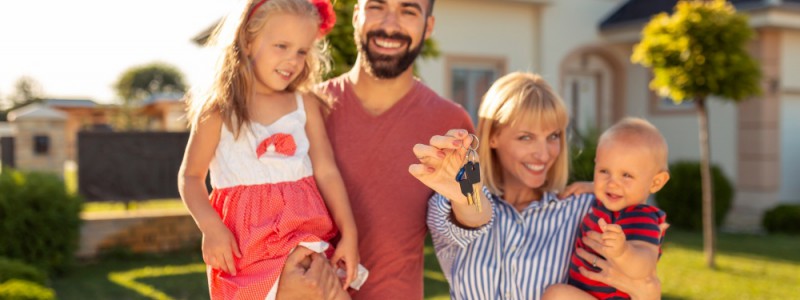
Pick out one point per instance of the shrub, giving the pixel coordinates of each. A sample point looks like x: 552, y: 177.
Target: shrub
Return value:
x: 16, y: 289
x: 582, y: 151
x: 682, y: 198
x: 784, y: 218
x: 39, y: 220
x: 12, y: 269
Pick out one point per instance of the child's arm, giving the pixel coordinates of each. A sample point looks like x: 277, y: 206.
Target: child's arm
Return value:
x: 331, y: 186
x: 635, y: 259
x: 219, y: 245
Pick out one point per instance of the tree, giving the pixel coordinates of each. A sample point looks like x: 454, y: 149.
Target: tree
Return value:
x: 26, y: 90
x: 697, y: 52
x: 342, y: 46
x: 139, y: 82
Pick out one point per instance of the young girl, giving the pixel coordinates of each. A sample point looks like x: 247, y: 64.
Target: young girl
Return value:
x: 262, y: 138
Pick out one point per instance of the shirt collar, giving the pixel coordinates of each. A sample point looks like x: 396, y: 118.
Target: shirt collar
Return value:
x: 547, y: 199
x: 550, y: 197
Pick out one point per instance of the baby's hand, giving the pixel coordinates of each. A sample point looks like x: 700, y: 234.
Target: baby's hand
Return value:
x: 346, y: 255
x: 613, y: 239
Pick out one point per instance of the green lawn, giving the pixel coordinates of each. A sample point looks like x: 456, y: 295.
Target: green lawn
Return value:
x: 750, y: 267
x: 94, y: 280
x: 115, y: 206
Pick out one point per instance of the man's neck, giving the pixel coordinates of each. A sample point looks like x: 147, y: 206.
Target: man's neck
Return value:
x: 379, y: 95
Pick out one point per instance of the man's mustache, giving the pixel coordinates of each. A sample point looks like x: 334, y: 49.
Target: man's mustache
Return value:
x: 383, y: 34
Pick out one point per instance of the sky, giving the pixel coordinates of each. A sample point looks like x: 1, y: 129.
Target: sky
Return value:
x: 79, y: 48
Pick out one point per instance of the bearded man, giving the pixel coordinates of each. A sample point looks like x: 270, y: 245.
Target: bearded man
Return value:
x: 379, y: 112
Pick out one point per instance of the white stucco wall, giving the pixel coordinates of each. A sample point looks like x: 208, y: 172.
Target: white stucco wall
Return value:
x: 569, y: 25
x: 790, y: 149
x: 789, y: 123
x: 681, y: 130
x: 7, y: 129
x: 527, y: 36
x: 481, y: 28
x: 790, y: 61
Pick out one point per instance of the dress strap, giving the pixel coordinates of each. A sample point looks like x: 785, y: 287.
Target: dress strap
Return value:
x: 299, y: 98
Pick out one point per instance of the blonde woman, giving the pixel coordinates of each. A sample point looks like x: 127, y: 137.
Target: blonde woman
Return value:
x: 521, y: 242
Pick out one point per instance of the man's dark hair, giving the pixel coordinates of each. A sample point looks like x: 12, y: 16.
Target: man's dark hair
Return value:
x: 430, y: 7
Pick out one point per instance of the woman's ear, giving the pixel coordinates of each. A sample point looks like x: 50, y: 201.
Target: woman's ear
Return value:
x: 493, y: 141
x: 659, y: 181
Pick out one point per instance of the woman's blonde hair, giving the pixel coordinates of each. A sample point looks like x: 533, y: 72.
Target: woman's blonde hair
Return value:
x: 232, y: 85
x: 514, y: 98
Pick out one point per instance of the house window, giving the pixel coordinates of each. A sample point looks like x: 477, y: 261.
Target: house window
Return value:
x: 41, y: 144
x: 583, y: 96
x: 470, y: 78
x: 663, y: 105
x: 666, y: 106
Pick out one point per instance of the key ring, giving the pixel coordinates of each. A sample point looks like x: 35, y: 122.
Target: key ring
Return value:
x: 475, y: 141
x: 472, y: 154
x: 470, y: 174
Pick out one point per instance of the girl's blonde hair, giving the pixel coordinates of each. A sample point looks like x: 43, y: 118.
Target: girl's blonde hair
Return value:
x: 514, y: 98
x: 232, y: 85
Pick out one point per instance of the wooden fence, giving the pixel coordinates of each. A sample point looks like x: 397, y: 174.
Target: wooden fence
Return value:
x: 126, y: 166
x: 7, y: 151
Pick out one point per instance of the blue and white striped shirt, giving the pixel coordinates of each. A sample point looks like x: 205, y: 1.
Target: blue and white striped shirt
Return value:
x: 514, y: 256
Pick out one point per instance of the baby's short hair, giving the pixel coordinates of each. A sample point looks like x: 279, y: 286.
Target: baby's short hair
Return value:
x: 639, y: 132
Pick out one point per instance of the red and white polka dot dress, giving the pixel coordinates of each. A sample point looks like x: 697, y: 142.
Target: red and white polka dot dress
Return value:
x: 264, y: 191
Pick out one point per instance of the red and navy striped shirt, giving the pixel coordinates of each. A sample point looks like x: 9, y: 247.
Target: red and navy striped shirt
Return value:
x: 639, y: 223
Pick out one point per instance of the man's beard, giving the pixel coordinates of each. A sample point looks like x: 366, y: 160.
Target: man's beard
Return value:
x: 387, y: 66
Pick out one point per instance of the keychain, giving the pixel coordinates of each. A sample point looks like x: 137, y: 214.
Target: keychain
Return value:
x: 470, y: 174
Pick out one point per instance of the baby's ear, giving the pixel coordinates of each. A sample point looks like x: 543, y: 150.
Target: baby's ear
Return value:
x: 659, y: 181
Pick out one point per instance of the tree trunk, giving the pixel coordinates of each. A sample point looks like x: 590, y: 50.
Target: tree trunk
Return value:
x: 709, y: 238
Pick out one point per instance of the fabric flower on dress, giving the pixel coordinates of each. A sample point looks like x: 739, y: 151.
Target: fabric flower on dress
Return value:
x: 277, y: 143
x: 327, y: 16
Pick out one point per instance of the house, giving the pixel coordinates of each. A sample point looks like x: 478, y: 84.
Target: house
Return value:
x: 752, y: 141
x: 583, y: 48
x: 43, y: 136
x: 81, y: 114
x: 40, y: 139
x: 165, y: 112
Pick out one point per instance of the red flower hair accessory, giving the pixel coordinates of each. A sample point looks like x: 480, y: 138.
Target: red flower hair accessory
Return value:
x: 327, y: 16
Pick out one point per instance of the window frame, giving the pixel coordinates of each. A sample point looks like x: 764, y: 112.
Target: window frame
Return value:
x: 498, y: 64
x: 41, y: 144
x: 658, y: 106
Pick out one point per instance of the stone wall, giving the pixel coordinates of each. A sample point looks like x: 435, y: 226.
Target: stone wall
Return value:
x: 138, y: 232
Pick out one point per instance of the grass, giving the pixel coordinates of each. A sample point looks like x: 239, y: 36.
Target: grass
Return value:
x: 110, y: 278
x: 749, y: 267
x: 115, y: 206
